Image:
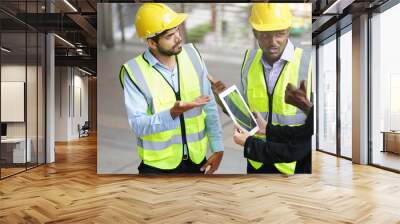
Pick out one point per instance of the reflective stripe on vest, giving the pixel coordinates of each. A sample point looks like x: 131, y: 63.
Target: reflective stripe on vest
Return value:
x: 256, y: 93
x: 164, y: 150
x: 174, y: 140
x: 247, y: 62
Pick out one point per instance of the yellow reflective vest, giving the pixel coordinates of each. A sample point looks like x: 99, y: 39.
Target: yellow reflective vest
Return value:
x: 164, y: 150
x: 273, y: 106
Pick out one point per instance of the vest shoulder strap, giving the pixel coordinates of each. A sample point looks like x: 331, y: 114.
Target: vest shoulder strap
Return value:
x: 303, y: 74
x: 190, y: 47
x: 135, y: 74
x: 244, y: 81
x: 248, y: 60
x: 125, y: 70
x: 122, y: 76
x: 197, y: 62
x: 305, y: 63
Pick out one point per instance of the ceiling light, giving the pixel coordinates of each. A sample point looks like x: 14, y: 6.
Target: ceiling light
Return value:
x: 84, y: 71
x: 65, y: 41
x: 337, y: 7
x: 5, y: 50
x: 70, y: 5
x: 329, y: 9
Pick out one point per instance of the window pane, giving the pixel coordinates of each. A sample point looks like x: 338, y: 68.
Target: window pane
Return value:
x: 346, y: 94
x: 31, y: 97
x: 314, y: 91
x: 385, y: 89
x: 327, y: 97
x: 41, y: 98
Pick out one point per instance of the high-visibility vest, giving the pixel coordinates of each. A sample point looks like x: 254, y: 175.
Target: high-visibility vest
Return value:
x: 272, y: 106
x: 164, y: 150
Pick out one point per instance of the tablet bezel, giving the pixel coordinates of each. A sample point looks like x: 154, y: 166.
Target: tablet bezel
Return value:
x: 227, y: 92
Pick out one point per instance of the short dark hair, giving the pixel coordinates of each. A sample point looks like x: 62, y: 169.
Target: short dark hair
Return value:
x: 157, y: 37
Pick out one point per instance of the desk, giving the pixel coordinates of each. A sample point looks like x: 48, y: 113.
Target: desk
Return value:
x: 15, y: 148
x: 391, y: 141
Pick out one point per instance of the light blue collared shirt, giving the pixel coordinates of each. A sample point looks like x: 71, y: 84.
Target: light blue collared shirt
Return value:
x: 143, y: 124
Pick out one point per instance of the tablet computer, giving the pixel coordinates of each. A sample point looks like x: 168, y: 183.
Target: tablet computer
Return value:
x: 238, y: 109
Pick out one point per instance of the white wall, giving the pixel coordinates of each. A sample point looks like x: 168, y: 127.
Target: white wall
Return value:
x: 79, y: 117
x: 70, y: 83
x: 61, y: 103
x: 12, y: 73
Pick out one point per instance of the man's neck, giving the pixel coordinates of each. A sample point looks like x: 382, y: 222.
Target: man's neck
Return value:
x: 168, y: 61
x: 271, y: 61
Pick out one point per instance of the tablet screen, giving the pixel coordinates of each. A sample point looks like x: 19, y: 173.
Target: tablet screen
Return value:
x: 239, y: 110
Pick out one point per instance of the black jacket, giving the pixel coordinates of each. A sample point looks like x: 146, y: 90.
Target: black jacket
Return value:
x: 283, y: 144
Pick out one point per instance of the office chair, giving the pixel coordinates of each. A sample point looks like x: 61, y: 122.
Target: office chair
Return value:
x: 84, y: 130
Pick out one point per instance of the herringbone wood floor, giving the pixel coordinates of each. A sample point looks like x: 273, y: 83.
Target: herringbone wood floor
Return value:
x: 70, y: 191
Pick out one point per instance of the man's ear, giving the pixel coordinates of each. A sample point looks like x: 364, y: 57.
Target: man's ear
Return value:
x: 255, y: 33
x: 152, y: 44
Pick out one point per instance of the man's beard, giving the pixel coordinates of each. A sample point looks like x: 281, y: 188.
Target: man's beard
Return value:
x: 169, y: 52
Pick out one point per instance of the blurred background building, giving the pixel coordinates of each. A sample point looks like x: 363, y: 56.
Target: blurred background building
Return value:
x: 214, y: 25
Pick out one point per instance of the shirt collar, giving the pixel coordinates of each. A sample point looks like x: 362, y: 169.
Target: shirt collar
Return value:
x: 150, y: 58
x: 287, y: 55
x: 154, y: 61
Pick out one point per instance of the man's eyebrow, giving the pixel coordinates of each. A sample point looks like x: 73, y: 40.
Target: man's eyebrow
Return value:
x: 170, y: 34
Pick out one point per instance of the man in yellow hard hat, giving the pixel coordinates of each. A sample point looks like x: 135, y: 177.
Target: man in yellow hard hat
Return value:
x: 268, y: 77
x: 169, y: 100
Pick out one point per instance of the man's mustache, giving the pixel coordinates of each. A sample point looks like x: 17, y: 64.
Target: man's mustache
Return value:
x: 176, y: 45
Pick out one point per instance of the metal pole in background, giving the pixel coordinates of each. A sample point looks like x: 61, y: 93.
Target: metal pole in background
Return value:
x: 121, y: 22
x: 183, y: 26
x: 213, y: 17
x: 106, y: 25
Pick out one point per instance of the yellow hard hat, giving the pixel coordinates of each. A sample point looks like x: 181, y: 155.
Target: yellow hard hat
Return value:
x: 154, y: 18
x: 270, y: 16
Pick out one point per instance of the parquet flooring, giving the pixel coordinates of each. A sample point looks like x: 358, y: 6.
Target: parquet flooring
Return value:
x: 70, y: 191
